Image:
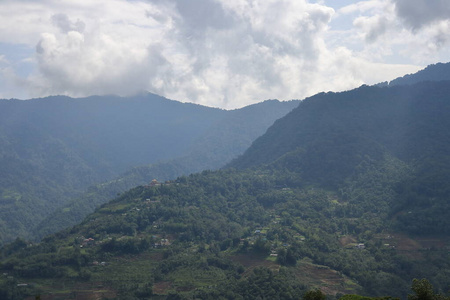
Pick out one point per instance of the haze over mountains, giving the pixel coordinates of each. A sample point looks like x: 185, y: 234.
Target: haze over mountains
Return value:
x: 52, y: 149
x: 348, y: 193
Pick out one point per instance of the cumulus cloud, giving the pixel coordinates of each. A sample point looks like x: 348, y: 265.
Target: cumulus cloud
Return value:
x: 363, y: 7
x: 372, y: 19
x: 226, y: 53
x: 221, y: 53
x: 9, y: 80
x: 418, y: 13
x: 429, y: 23
x: 429, y: 42
x: 404, y: 30
x: 372, y: 27
x: 65, y: 25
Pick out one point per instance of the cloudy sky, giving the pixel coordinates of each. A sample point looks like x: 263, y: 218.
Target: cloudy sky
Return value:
x: 222, y: 53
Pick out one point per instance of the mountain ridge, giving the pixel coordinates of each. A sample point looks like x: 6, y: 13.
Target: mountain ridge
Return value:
x: 434, y: 72
x: 54, y: 148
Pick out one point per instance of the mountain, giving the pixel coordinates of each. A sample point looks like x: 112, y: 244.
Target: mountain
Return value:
x: 228, y: 137
x: 347, y: 193
x: 435, y: 72
x: 330, y: 135
x: 108, y: 132
x: 53, y: 149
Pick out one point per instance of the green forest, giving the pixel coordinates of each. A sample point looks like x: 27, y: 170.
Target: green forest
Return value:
x: 344, y: 197
x: 228, y: 235
x: 62, y: 157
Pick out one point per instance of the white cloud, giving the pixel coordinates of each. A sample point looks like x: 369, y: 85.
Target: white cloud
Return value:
x: 371, y: 19
x: 403, y: 30
x: 239, y: 53
x: 419, y: 13
x: 362, y: 7
x: 65, y: 25
x: 430, y: 41
x: 373, y: 27
x: 213, y: 52
x: 428, y: 23
x: 9, y: 80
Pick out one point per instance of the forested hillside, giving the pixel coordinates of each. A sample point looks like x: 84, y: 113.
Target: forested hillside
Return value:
x: 222, y: 141
x: 329, y: 135
x: 53, y: 149
x: 347, y: 193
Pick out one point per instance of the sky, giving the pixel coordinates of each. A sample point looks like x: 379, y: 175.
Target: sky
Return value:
x: 220, y: 53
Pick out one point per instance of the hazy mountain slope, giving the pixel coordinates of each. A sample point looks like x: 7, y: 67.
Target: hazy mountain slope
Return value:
x: 110, y: 133
x: 51, y: 149
x: 233, y: 134
x: 228, y: 137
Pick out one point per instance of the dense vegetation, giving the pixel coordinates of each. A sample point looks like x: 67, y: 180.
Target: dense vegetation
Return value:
x: 200, y: 232
x: 53, y: 149
x: 329, y: 135
x: 328, y: 198
x: 345, y: 197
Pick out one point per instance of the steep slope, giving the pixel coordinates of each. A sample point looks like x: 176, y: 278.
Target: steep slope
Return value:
x: 226, y: 138
x: 398, y: 119
x: 329, y: 135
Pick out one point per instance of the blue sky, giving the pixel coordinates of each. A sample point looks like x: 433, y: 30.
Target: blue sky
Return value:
x: 222, y: 53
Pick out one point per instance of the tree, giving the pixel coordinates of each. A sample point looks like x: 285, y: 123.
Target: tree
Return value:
x: 424, y: 291
x: 314, y: 295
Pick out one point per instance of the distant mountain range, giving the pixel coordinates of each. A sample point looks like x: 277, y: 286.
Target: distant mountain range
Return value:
x: 52, y: 149
x: 436, y: 72
x: 228, y: 137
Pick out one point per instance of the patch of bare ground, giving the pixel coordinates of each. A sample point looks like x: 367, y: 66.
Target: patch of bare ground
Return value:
x: 162, y: 287
x: 327, y: 280
x: 82, y: 291
x: 250, y: 262
x: 185, y: 288
x: 146, y: 256
x: 413, y: 246
x: 346, y: 239
x: 157, y: 256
